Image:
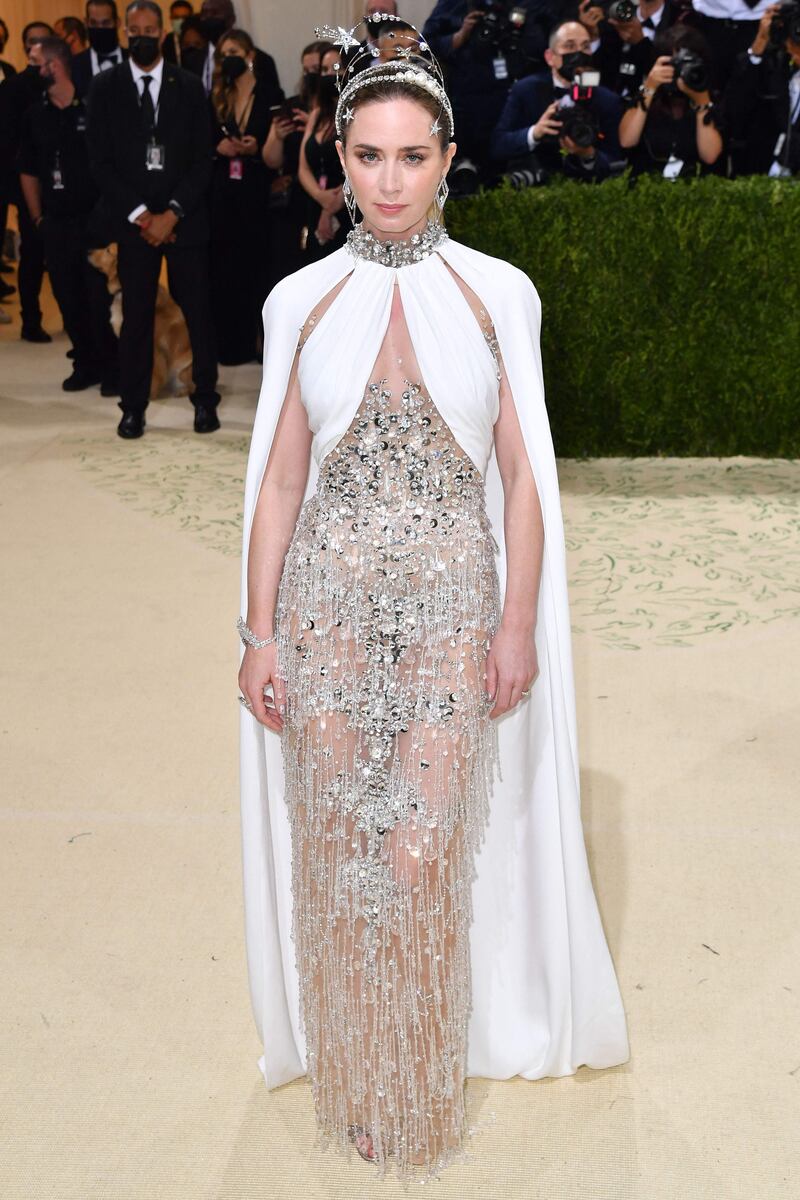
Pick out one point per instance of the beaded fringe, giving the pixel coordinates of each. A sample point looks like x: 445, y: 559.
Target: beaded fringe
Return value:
x: 386, y: 608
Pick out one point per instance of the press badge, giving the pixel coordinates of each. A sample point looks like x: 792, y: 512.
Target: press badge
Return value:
x: 154, y: 159
x: 234, y: 168
x: 673, y: 167
x: 500, y: 67
x: 56, y: 178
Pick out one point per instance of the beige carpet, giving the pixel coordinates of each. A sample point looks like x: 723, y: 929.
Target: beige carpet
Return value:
x: 128, y: 1047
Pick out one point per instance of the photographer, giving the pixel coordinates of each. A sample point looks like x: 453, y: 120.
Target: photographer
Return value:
x: 671, y: 126
x: 484, y: 47
x: 554, y: 123
x: 763, y: 97
x: 622, y: 34
x: 729, y: 27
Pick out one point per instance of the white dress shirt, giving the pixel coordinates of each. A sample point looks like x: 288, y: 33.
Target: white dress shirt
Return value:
x: 155, y: 91
x: 97, y: 68
x: 734, y: 10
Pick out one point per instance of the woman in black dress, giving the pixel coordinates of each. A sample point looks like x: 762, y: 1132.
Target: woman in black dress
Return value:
x: 320, y: 171
x: 239, y: 200
x: 673, y: 125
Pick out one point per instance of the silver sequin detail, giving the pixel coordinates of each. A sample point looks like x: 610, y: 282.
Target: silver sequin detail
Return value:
x: 395, y: 253
x: 387, y: 604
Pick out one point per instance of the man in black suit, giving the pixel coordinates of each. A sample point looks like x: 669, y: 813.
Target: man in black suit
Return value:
x: 528, y: 134
x: 623, y: 50
x: 104, y: 50
x: 60, y: 194
x: 150, y: 152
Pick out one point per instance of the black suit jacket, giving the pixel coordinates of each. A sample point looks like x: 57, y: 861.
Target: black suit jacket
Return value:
x: 117, y: 143
x: 81, y: 68
x: 624, y: 65
x: 527, y: 100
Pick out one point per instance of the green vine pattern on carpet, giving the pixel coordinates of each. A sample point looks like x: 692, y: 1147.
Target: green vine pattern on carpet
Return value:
x: 660, y: 551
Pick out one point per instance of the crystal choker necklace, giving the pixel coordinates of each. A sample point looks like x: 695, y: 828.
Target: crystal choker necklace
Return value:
x: 363, y: 244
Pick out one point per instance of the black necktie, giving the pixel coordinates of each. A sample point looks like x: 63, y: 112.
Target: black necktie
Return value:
x: 102, y: 59
x: 648, y: 23
x: 148, y: 112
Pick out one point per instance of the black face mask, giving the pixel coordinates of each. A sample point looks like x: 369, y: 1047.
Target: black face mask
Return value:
x: 143, y: 49
x: 232, y: 67
x: 213, y: 28
x: 103, y: 41
x: 572, y: 61
x: 193, y: 59
x: 326, y: 88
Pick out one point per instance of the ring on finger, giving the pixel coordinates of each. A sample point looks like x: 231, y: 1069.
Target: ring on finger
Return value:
x: 247, y: 703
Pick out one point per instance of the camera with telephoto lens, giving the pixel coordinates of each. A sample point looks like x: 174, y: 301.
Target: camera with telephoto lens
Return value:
x: 617, y: 10
x: 690, y: 68
x: 528, y: 177
x: 785, y: 24
x: 501, y: 23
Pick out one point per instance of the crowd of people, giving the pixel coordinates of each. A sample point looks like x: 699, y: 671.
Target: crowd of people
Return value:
x: 179, y: 143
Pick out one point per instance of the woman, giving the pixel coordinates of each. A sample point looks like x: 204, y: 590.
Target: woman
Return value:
x: 281, y: 155
x: 239, y: 200
x: 400, y: 441
x: 670, y: 127
x: 319, y: 170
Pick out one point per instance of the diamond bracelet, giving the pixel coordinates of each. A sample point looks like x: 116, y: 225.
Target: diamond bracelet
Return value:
x: 249, y: 638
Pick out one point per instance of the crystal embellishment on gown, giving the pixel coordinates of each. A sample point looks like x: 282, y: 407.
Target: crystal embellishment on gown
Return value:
x: 400, y: 252
x: 387, y: 604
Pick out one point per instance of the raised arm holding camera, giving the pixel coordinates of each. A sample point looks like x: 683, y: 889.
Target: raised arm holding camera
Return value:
x: 671, y: 126
x: 763, y: 97
x: 561, y: 122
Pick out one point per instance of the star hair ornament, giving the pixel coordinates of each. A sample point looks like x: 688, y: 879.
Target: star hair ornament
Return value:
x: 407, y: 63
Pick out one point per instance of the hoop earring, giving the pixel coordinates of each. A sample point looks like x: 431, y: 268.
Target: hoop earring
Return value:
x: 349, y: 198
x: 442, y: 192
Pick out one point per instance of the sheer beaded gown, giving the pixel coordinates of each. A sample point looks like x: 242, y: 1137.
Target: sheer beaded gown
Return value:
x: 387, y: 604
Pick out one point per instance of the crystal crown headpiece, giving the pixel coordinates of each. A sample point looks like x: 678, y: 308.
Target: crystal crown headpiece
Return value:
x: 407, y: 64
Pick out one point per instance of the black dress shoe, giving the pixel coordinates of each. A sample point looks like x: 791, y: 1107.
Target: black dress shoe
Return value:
x: 79, y: 381
x: 205, y: 419
x: 132, y: 425
x: 35, y: 333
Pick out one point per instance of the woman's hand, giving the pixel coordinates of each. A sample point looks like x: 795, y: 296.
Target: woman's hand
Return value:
x: 332, y: 199
x: 661, y: 71
x: 227, y: 148
x: 511, y: 667
x: 246, y: 145
x: 282, y: 127
x: 324, y: 230
x: 259, y: 668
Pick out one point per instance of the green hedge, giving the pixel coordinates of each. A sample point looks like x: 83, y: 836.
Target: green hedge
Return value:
x: 670, y: 310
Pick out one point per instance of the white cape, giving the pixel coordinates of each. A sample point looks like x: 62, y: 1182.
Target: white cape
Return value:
x: 545, y: 998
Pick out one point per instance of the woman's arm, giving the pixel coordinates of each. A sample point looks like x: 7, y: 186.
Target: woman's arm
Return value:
x: 277, y: 506
x: 329, y: 199
x: 511, y: 665
x: 632, y: 122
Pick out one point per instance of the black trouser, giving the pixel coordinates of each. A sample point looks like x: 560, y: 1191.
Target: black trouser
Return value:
x: 139, y: 265
x: 82, y: 295
x: 31, y: 268
x: 726, y: 40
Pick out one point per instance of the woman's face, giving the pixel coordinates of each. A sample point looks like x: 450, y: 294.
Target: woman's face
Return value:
x: 326, y: 62
x: 394, y: 163
x: 231, y: 48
